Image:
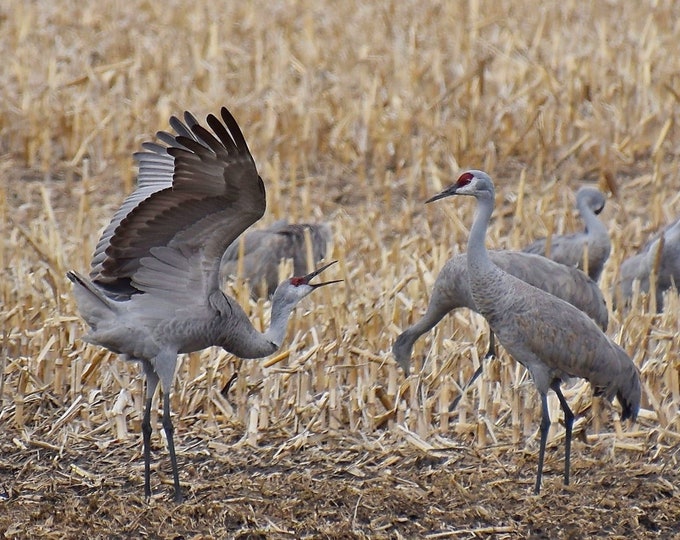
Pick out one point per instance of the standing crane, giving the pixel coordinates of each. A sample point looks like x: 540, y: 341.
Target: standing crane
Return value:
x: 550, y: 337
x: 153, y: 291
x: 452, y: 291
x: 264, y: 249
x: 569, y: 249
x: 660, y: 255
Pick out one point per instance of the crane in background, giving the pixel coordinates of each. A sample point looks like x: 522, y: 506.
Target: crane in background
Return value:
x: 264, y: 249
x: 587, y: 250
x: 659, y: 257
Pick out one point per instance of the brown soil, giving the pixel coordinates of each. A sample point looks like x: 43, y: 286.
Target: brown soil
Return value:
x: 332, y: 487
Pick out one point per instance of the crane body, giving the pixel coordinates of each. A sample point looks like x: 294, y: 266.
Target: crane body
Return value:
x: 153, y: 290
x: 550, y: 337
x: 570, y: 249
x: 665, y: 263
x: 451, y: 291
x: 264, y: 249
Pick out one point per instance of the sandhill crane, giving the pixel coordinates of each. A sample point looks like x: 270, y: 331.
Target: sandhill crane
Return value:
x: 640, y: 266
x: 550, y: 337
x: 452, y: 291
x: 264, y: 249
x: 569, y: 249
x: 154, y: 290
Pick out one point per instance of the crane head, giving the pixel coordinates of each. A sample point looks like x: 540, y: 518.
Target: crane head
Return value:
x: 592, y: 198
x: 473, y: 182
x: 305, y: 280
x: 296, y: 288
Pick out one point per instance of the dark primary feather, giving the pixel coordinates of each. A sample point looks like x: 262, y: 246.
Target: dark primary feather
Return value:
x: 196, y: 195
x: 156, y: 169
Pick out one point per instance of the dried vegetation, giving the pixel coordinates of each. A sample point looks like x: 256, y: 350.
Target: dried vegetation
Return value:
x: 355, y: 112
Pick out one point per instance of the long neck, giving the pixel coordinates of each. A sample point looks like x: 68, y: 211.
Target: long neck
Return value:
x: 276, y: 332
x: 484, y: 276
x: 235, y: 333
x: 478, y: 258
x: 594, y: 227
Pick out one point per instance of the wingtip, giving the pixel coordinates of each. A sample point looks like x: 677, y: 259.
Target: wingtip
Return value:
x: 189, y: 119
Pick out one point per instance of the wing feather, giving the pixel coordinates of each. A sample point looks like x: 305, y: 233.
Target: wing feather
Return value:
x: 195, y: 196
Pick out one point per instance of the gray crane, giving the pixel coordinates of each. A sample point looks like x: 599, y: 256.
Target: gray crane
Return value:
x: 153, y: 291
x: 569, y: 249
x: 264, y: 249
x: 452, y: 291
x: 640, y: 266
x: 550, y: 337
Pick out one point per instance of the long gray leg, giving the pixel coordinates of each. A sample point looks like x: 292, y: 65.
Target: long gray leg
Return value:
x: 151, y: 384
x: 169, y: 430
x: 490, y: 353
x: 545, y: 427
x: 568, y: 424
x: 457, y: 399
x: 165, y: 367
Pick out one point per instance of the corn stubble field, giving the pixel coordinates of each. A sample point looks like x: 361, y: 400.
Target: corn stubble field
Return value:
x: 355, y: 114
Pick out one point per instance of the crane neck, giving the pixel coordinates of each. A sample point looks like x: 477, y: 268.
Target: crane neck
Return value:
x: 236, y: 334
x: 280, y: 314
x: 594, y: 227
x: 478, y: 257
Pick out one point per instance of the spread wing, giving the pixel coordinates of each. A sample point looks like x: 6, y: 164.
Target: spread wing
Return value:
x: 195, y: 196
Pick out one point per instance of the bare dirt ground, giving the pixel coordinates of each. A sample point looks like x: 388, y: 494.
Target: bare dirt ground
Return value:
x: 334, y: 487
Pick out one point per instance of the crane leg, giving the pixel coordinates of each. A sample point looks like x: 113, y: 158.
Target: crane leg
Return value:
x: 169, y: 430
x: 151, y: 384
x: 146, y: 433
x: 568, y: 424
x: 491, y: 352
x: 545, y: 427
x: 457, y: 399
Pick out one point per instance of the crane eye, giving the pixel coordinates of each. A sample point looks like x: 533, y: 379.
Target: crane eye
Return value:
x: 464, y: 179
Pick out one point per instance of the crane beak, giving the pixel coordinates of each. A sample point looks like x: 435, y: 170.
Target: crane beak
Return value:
x: 451, y: 190
x: 306, y: 279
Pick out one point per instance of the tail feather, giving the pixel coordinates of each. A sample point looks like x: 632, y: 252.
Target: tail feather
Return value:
x: 93, y: 305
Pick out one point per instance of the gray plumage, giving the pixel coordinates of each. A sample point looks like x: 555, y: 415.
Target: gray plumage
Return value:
x: 639, y: 267
x: 264, y: 249
x: 550, y: 337
x: 452, y: 291
x: 569, y: 249
x: 154, y: 290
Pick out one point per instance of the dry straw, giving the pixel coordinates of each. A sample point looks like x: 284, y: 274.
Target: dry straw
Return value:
x: 355, y: 114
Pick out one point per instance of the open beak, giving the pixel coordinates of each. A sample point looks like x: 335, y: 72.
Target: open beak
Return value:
x: 306, y: 279
x: 451, y: 190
